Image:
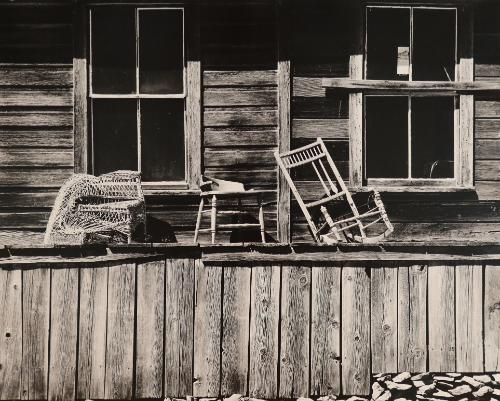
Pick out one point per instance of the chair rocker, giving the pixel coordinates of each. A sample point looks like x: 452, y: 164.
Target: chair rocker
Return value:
x: 334, y: 217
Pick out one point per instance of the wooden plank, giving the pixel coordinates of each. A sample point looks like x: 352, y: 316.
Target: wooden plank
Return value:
x: 179, y: 289
x: 36, y: 118
x: 384, y: 318
x: 487, y: 190
x: 412, y: 318
x: 36, y: 298
x: 33, y: 177
x: 308, y: 87
x: 465, y: 173
x: 36, y: 76
x: 38, y: 138
x: 326, y: 128
x: 63, y: 334
x: 469, y: 318
x: 325, y: 330
x: 235, y: 330
x: 295, y: 315
x: 442, y: 324
x: 25, y: 220
x: 487, y: 128
x: 220, y: 137
x: 149, y: 333
x: 264, y: 324
x: 11, y: 334
x: 239, y: 78
x: 487, y: 108
x: 237, y: 157
x: 487, y: 70
x: 120, y: 332
x: 487, y: 170
x: 92, y: 332
x: 28, y: 199
x: 355, y: 331
x: 33, y: 98
x: 492, y: 318
x: 239, y: 97
x: 215, y: 118
x: 35, y: 158
x: 252, y: 177
x: 487, y: 149
x: 207, y: 330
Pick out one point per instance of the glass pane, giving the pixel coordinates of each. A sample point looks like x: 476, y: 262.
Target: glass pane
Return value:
x: 161, y: 51
x: 162, y: 138
x: 113, y: 50
x: 388, y: 43
x: 432, y: 133
x: 433, y: 45
x: 114, y: 130
x: 386, y: 134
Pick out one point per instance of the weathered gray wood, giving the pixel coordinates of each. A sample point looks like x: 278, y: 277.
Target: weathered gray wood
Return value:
x: 326, y: 128
x: 37, y: 76
x: 63, y: 334
x: 487, y: 108
x: 487, y: 149
x: 35, y: 158
x: 308, y: 87
x: 33, y: 177
x: 487, y: 170
x: 412, y: 318
x: 441, y: 308
x: 36, y: 118
x: 239, y: 97
x: 469, y: 318
x: 120, y: 332
x: 355, y: 331
x: 10, y: 334
x: 239, y: 78
x: 39, y: 138
x: 264, y: 324
x: 215, y: 137
x: 149, y: 333
x: 384, y: 319
x: 235, y: 330
x: 238, y: 157
x: 492, y: 318
x: 27, y: 98
x: 487, y: 128
x: 92, y: 332
x: 36, y: 298
x: 207, y: 330
x: 487, y: 190
x: 325, y: 331
x: 225, y: 118
x: 179, y: 287
x: 295, y: 315
x: 248, y: 175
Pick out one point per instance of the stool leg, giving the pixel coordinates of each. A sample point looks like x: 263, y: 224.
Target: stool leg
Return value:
x: 261, y: 221
x: 198, y: 220
x: 213, y: 220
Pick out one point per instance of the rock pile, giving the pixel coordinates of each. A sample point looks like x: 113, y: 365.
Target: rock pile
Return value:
x: 436, y: 387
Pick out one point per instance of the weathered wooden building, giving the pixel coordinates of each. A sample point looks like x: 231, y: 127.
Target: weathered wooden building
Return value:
x: 406, y: 96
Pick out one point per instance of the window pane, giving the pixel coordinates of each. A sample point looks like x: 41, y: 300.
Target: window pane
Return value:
x: 113, y: 50
x: 161, y: 57
x: 433, y: 45
x: 432, y: 135
x: 114, y: 135
x: 386, y: 136
x: 162, y: 137
x: 388, y: 43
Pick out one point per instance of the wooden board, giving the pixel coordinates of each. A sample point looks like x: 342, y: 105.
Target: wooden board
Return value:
x: 36, y: 158
x: 179, y: 315
x: 37, y: 138
x: 213, y: 97
x: 36, y: 118
x: 10, y: 334
x: 469, y: 318
x: 63, y: 334
x: 412, y: 318
x: 487, y: 108
x: 92, y: 332
x: 235, y: 330
x: 441, y: 307
x: 34, y: 177
x: 492, y: 318
x: 264, y: 324
x: 295, y: 310
x: 487, y: 128
x: 224, y: 118
x: 149, y: 334
x: 487, y: 149
x: 34, y: 98
x: 326, y: 128
x: 36, y: 304
x: 239, y: 78
x: 487, y: 169
x: 207, y: 330
x: 237, y: 157
x: 120, y: 332
x: 37, y: 76
x: 325, y: 330
x: 223, y: 137
x: 384, y: 318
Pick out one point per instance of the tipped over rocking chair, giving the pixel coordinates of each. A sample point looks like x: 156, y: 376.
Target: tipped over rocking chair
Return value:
x: 334, y: 217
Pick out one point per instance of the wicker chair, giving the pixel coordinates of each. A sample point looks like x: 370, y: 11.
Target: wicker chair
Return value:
x: 108, y: 208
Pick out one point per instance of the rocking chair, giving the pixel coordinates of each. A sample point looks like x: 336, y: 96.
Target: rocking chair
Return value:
x: 338, y: 217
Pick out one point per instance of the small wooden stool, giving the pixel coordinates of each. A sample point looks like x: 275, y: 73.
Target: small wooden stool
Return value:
x: 210, y: 199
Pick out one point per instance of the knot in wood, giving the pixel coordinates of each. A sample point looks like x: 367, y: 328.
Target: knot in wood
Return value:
x: 15, y: 286
x: 334, y: 324
x: 417, y: 352
x: 284, y: 360
x: 349, y: 278
x: 263, y: 352
x: 357, y: 376
x: 303, y: 280
x: 386, y: 328
x: 7, y: 334
x: 494, y: 307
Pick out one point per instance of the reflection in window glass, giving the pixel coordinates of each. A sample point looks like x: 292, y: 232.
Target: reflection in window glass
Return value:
x: 432, y: 131
x: 161, y: 57
x: 386, y: 136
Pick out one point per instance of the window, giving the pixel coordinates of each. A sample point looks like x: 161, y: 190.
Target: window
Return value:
x: 138, y: 92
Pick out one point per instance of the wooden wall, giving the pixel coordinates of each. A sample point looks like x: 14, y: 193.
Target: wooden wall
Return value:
x: 267, y: 327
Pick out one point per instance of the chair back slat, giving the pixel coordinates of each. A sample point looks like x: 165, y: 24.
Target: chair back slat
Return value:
x: 320, y: 177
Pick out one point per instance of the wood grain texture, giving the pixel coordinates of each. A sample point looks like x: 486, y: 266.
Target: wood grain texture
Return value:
x: 213, y: 97
x: 384, y: 318
x: 179, y: 318
x: 34, y: 98
x: 235, y: 330
x: 469, y: 318
x: 487, y: 149
x: 36, y: 138
x: 11, y: 330
x: 149, y: 334
x: 37, y: 76
x: 120, y: 332
x: 355, y: 331
x: 92, y: 332
x: 308, y: 87
x: 326, y: 128
x: 487, y: 190
x: 36, y: 305
x: 34, y: 177
x: 223, y: 137
x: 487, y: 128
x: 295, y: 316
x: 35, y: 158
x: 36, y: 118
x: 237, y: 157
x: 216, y: 118
x: 466, y: 141
x: 487, y: 170
x: 487, y: 108
x: 207, y: 330
x: 264, y: 324
x: 239, y: 78
x: 63, y: 334
x: 412, y: 318
x: 492, y: 318
x: 325, y: 330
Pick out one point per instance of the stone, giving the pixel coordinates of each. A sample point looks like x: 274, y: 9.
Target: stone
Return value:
x: 471, y: 381
x: 496, y: 377
x: 386, y: 396
x: 442, y: 394
x: 496, y: 391
x: 453, y: 374
x: 238, y: 397
x: 461, y: 390
x: 482, y: 378
x: 401, y: 377
x: 377, y: 390
x: 444, y: 379
x: 418, y: 383
x: 483, y: 391
x: 444, y: 385
x: 427, y: 389
x: 421, y: 376
x: 397, y: 386
x: 298, y: 399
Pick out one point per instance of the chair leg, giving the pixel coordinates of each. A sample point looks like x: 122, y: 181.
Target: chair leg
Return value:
x: 330, y: 223
x: 213, y: 219
x: 261, y: 221
x: 198, y: 220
